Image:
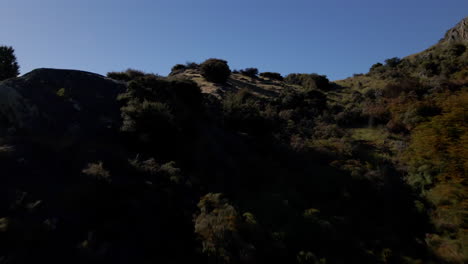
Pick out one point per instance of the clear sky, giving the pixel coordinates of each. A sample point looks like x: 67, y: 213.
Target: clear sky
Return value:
x: 332, y: 37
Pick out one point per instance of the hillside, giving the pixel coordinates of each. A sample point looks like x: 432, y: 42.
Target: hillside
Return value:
x: 209, y: 165
x: 423, y: 98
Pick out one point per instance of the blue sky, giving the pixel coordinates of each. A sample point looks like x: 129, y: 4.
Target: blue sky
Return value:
x: 331, y: 37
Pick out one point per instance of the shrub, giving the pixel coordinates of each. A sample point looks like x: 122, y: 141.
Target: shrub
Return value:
x: 241, y: 112
x: 146, y: 116
x: 126, y: 76
x: 430, y: 68
x: 215, y: 70
x: 217, y: 225
x: 438, y: 161
x: 405, y: 85
x: 251, y: 72
x: 376, y: 68
x: 309, y: 81
x: 8, y: 66
x: 350, y: 117
x: 392, y: 62
x: 155, y: 109
x: 192, y: 65
x: 177, y: 68
x: 457, y: 49
x: 97, y: 171
x: 395, y: 126
x: 272, y: 75
x: 375, y: 113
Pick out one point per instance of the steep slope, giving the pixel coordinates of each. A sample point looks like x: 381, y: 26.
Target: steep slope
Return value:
x: 420, y: 99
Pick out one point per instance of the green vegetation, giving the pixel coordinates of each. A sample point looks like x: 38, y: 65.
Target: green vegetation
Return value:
x: 438, y: 167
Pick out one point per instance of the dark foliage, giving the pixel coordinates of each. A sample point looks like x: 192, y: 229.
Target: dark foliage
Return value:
x: 192, y: 65
x: 125, y: 76
x: 272, y: 75
x: 378, y: 67
x: 8, y: 65
x: 392, y: 62
x: 457, y: 49
x: 177, y: 68
x: 250, y: 72
x: 215, y: 70
x: 309, y: 81
x: 403, y: 85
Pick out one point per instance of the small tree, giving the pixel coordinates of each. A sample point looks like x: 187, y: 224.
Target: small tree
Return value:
x: 8, y: 66
x: 217, y: 226
x: 215, y: 70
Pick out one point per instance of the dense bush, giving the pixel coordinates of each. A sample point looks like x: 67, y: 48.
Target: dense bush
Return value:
x: 126, y: 76
x: 242, y: 112
x: 393, y: 62
x: 177, y: 68
x: 156, y: 108
x: 215, y: 70
x: 430, y: 68
x: 192, y: 65
x: 250, y: 72
x: 438, y: 163
x: 376, y: 68
x: 402, y: 85
x: 217, y: 226
x: 8, y: 66
x: 309, y: 81
x: 272, y: 75
x: 457, y: 49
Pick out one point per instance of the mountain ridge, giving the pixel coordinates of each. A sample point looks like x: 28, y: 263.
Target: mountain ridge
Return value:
x: 459, y: 33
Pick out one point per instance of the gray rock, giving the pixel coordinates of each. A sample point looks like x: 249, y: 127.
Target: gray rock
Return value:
x: 459, y: 33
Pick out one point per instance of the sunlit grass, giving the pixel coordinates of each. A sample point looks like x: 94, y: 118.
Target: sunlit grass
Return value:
x: 377, y: 136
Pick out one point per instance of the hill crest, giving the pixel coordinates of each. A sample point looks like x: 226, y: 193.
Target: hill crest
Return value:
x: 459, y: 33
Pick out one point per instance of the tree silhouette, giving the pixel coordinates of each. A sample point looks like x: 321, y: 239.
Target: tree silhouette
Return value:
x: 8, y: 66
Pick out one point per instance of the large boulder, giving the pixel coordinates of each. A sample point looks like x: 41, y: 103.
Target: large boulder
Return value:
x: 59, y: 103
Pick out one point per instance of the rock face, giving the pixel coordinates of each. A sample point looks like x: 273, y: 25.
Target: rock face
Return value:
x: 459, y: 33
x: 57, y: 103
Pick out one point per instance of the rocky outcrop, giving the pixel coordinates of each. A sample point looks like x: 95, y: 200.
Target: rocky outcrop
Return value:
x: 459, y: 33
x: 56, y: 103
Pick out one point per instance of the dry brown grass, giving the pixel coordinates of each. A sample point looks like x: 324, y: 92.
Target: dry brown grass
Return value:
x: 262, y: 87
